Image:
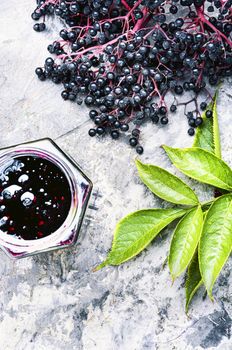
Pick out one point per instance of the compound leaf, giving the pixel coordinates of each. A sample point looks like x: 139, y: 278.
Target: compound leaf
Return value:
x: 216, y: 240
x: 184, y: 241
x: 135, y: 231
x: 201, y: 165
x: 193, y: 281
x: 165, y: 185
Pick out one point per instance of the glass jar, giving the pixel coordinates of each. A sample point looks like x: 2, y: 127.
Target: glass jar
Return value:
x: 80, y: 188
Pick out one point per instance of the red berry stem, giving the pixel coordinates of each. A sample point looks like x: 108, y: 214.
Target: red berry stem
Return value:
x: 203, y: 20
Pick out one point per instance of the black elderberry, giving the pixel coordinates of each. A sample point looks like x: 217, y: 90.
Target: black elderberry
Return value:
x: 93, y: 87
x: 179, y: 22
x: 107, y: 25
x: 100, y: 130
x: 121, y: 114
x: 137, y: 99
x: 173, y: 9
x: 191, y: 131
x: 186, y: 2
x: 199, y: 38
x: 228, y: 28
x: 49, y: 61
x: 138, y: 15
x: 39, y: 71
x: 117, y: 124
x: 110, y: 76
x: 97, y: 120
x: 209, y: 114
x: 79, y: 101
x: 161, y: 18
x: 93, y: 32
x: 173, y: 108
x: 140, y: 117
x: 191, y: 122
x: 164, y: 60
x: 103, y: 108
x: 190, y: 114
x: 93, y: 114
x: 135, y: 132
x: 178, y: 89
x: 64, y: 34
x: 56, y: 80
x: 210, y: 9
x: 158, y: 77
x: 133, y: 141
x: 100, y: 82
x: 65, y: 94
x: 192, y: 14
x: 42, y: 77
x: 124, y: 127
x: 198, y: 3
x: 72, y: 96
x: 203, y: 106
x: 35, y: 16
x: 198, y: 121
x: 39, y: 27
x: 163, y: 110
x: 130, y: 79
x: 51, y: 48
x: 72, y: 35
x: 74, y: 8
x: 118, y: 90
x: 125, y: 91
x: 112, y: 59
x: 154, y: 118
x: 191, y: 86
x: 89, y: 100
x: 115, y: 134
x: 195, y: 71
x: 142, y: 93
x: 92, y: 132
x: 111, y: 119
x: 139, y: 149
x: 164, y: 120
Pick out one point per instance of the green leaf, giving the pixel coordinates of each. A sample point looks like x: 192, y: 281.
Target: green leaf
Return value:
x: 165, y: 185
x: 216, y: 240
x: 134, y: 232
x: 201, y: 165
x: 207, y: 134
x: 184, y: 241
x: 194, y: 280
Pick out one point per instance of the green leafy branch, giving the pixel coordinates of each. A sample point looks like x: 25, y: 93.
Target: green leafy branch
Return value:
x: 202, y: 240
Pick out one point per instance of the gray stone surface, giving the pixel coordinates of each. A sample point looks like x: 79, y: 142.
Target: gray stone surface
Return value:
x: 54, y: 301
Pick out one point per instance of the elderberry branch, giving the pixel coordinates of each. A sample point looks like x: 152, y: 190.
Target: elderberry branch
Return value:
x: 122, y: 57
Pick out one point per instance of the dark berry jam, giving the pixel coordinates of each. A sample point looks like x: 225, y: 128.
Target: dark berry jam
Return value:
x: 35, y: 197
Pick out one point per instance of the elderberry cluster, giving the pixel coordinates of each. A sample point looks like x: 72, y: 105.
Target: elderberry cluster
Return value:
x: 79, y: 12
x: 121, y: 58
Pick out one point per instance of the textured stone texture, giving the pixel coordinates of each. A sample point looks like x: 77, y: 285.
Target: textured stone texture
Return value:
x: 54, y: 301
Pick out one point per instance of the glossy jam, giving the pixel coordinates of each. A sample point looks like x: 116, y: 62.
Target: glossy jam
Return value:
x: 35, y: 197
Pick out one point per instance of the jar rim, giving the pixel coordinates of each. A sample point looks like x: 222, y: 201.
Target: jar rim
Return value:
x: 6, y: 240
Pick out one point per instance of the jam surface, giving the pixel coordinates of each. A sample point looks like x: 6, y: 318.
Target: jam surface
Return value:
x: 35, y: 197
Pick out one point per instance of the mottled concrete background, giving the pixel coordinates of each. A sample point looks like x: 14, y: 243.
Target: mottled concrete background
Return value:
x: 54, y: 301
